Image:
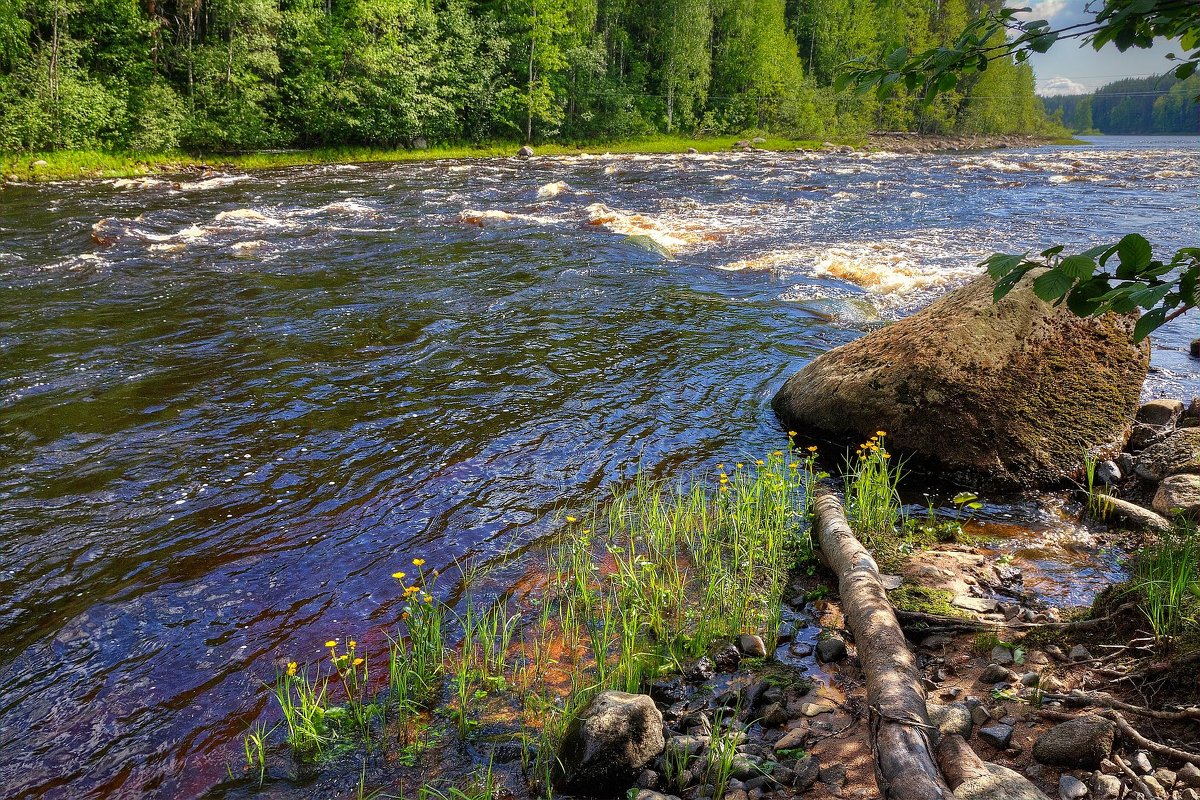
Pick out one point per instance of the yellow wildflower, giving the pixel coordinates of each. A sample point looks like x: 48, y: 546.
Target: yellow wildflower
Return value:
x: 887, y: 455
x: 403, y: 615
x: 331, y: 643
x: 291, y: 669
x: 418, y: 562
x: 792, y: 433
x: 881, y: 433
x: 357, y: 661
x: 398, y: 576
x: 794, y: 465
x: 758, y: 462
x: 353, y: 644
x: 571, y: 519
x: 739, y: 466
x: 428, y: 598
x: 812, y: 448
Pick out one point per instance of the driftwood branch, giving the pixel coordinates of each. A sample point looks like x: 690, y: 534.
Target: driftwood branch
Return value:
x: 899, y: 725
x: 1079, y: 699
x: 1131, y: 734
x: 912, y: 619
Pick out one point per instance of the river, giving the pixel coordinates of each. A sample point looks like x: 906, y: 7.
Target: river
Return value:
x: 231, y: 407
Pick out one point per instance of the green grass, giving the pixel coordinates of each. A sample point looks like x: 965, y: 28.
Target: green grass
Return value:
x: 1166, y: 575
x: 77, y: 165
x: 643, y: 583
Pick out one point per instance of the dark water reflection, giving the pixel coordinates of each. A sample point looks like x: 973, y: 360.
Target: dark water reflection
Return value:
x: 223, y: 431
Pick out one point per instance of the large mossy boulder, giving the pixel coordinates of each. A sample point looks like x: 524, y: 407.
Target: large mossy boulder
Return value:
x: 1015, y: 391
x: 608, y: 744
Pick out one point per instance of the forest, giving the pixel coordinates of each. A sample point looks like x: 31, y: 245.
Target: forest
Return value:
x: 1161, y: 104
x: 236, y: 75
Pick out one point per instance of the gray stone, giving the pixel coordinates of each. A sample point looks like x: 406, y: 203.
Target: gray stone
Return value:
x: 792, y: 740
x: 806, y: 770
x: 1177, y: 453
x: 752, y: 645
x: 1152, y: 783
x: 998, y: 735
x: 525, y: 152
x: 646, y: 794
x: 819, y: 707
x: 727, y: 659
x: 954, y: 718
x: 1160, y: 412
x: 608, y: 744
x: 994, y: 673
x: 1166, y: 777
x: 1016, y: 369
x: 1055, y: 652
x: 744, y: 768
x: 691, y: 151
x: 1106, y: 787
x: 1002, y: 655
x: 679, y: 747
x: 833, y: 775
x: 1178, y: 494
x: 1189, y: 775
x: 1031, y: 679
x: 1108, y: 473
x: 773, y: 715
x: 831, y: 650
x: 1141, y: 760
x: 1080, y: 743
x: 982, y: 605
x: 1079, y: 653
x: 703, y: 670
x: 801, y: 649
x: 1070, y: 788
x: 648, y: 779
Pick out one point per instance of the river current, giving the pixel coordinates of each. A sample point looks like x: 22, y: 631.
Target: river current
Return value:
x: 232, y: 406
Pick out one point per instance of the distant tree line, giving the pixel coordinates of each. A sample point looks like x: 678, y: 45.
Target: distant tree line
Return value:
x: 157, y: 75
x: 1158, y: 105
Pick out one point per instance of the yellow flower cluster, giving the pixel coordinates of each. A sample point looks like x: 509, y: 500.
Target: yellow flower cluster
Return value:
x: 874, y: 445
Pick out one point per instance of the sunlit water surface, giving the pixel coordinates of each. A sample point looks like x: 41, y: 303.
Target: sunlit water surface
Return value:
x: 230, y: 417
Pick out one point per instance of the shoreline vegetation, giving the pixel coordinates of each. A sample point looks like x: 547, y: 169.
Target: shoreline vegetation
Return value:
x: 86, y: 165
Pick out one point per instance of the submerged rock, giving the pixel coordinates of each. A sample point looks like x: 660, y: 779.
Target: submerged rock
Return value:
x: 1017, y: 391
x: 608, y: 744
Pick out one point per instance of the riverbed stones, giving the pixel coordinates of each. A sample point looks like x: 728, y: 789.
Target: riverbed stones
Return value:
x: 1160, y: 413
x: 1071, y: 788
x: 608, y: 744
x: 1189, y: 775
x: 1176, y: 453
x: 1108, y: 472
x: 1178, y: 494
x: 994, y: 782
x: 752, y: 645
x: 1131, y: 514
x: 998, y: 735
x: 525, y: 152
x: 831, y: 650
x: 1106, y: 787
x: 1081, y: 743
x: 1016, y: 391
x: 994, y: 673
x: 951, y: 719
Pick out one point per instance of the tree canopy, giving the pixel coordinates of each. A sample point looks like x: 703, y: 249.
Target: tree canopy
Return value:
x: 225, y: 75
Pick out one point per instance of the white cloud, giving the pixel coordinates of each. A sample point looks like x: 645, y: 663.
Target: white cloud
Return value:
x: 1050, y: 87
x: 1046, y: 9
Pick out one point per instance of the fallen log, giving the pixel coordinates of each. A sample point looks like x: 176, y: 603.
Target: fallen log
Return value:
x: 975, y: 779
x: 899, y: 725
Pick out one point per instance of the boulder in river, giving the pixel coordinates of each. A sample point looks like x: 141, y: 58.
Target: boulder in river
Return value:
x: 1015, y: 391
x: 608, y: 744
x: 525, y: 152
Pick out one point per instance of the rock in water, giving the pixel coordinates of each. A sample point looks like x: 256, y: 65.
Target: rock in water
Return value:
x: 525, y: 152
x: 1017, y: 391
x: 608, y: 744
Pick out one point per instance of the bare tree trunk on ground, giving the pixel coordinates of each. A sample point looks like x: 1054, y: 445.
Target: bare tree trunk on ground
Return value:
x: 904, y: 763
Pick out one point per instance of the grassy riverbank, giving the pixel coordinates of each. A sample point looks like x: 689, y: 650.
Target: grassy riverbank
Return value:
x: 82, y: 165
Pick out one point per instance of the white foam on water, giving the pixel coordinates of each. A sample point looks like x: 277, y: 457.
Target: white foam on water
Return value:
x: 674, y: 233
x: 138, y: 183
x: 473, y: 216
x: 248, y: 246
x: 553, y: 189
x: 247, y: 215
x: 211, y: 183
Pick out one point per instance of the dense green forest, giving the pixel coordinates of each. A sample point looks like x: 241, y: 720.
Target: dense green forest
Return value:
x: 226, y: 75
x: 1158, y: 105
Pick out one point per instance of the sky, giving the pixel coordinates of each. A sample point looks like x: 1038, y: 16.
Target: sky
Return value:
x: 1071, y: 68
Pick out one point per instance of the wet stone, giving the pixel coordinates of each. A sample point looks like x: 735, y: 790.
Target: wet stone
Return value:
x: 703, y: 670
x: 752, y: 645
x: 801, y: 649
x: 728, y: 659
x: 831, y: 650
x: 998, y: 736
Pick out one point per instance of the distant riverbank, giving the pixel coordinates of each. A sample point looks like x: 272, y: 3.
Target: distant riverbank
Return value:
x: 83, y: 165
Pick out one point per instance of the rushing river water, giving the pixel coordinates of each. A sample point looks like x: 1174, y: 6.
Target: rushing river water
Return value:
x: 231, y: 408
